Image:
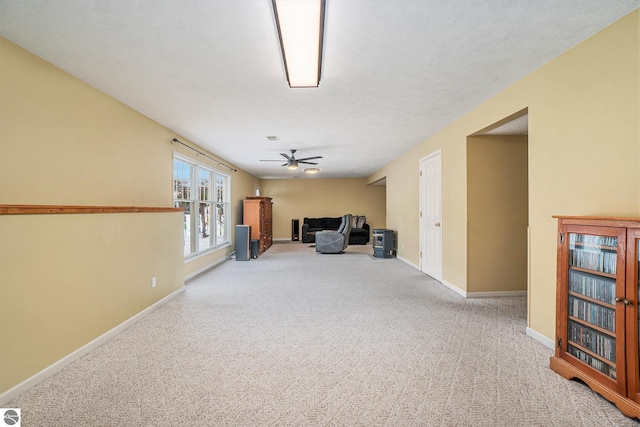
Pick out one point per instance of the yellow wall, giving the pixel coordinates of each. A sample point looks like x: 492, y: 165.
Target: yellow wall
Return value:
x: 497, y: 213
x: 67, y: 279
x: 584, y: 147
x: 313, y: 197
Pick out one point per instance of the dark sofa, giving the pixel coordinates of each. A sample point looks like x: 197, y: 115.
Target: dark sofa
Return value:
x: 358, y: 236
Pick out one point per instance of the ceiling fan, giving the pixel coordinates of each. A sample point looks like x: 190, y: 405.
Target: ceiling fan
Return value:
x: 292, y: 162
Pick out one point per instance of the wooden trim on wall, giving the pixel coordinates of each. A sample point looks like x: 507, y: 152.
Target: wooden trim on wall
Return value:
x: 62, y: 209
x: 604, y: 221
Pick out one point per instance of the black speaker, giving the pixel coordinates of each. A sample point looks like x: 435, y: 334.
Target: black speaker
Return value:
x: 243, y: 236
x: 255, y: 248
x: 295, y: 230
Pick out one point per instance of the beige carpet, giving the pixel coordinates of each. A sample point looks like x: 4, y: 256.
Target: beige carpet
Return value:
x: 296, y: 338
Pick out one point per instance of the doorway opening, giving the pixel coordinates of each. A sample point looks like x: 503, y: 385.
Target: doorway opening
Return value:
x: 498, y: 208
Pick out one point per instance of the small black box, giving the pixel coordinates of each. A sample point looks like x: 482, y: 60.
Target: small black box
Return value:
x: 255, y: 248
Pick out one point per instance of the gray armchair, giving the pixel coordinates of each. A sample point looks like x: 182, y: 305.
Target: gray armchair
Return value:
x: 334, y: 242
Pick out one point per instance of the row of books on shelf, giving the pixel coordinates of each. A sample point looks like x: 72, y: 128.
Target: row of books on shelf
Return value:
x: 598, y: 364
x: 595, y: 314
x: 598, y: 343
x: 594, y: 260
x: 596, y: 287
x: 587, y: 239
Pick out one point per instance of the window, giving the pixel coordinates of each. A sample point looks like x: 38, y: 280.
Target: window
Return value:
x: 203, y: 193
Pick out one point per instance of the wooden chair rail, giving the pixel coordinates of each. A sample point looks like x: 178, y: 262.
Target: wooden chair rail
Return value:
x: 63, y: 209
x: 603, y: 221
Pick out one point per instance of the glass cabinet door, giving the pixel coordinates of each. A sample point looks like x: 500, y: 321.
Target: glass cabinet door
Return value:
x: 633, y: 321
x: 591, y: 330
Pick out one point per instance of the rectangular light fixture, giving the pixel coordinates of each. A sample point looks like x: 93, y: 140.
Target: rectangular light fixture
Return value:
x: 301, y: 30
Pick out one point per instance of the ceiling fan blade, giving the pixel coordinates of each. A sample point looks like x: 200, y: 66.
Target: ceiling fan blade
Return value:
x: 307, y: 163
x: 310, y: 158
x: 270, y: 160
x: 286, y: 156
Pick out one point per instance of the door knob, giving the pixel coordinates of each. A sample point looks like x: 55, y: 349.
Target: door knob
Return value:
x: 437, y: 224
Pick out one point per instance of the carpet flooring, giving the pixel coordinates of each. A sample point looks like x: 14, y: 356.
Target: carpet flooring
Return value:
x: 296, y: 338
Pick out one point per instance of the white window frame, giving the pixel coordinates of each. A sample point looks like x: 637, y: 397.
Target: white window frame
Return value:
x: 213, y: 236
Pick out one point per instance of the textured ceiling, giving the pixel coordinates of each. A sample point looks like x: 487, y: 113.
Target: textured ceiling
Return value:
x: 394, y: 72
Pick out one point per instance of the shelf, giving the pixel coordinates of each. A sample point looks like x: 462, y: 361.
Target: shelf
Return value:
x: 592, y: 326
x: 595, y: 314
x: 595, y: 246
x: 594, y: 272
x: 592, y: 354
x: 602, y: 368
x: 592, y: 286
x: 592, y: 300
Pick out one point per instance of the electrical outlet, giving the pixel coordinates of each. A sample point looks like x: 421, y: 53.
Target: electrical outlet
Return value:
x: 153, y: 282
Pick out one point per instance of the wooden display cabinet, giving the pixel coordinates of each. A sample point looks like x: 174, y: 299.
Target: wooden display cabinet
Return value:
x: 597, y: 307
x: 257, y: 212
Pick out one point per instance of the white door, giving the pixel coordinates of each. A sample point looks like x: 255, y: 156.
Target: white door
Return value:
x: 431, y: 215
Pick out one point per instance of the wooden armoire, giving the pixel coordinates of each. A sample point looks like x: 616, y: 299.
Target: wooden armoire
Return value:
x: 257, y: 214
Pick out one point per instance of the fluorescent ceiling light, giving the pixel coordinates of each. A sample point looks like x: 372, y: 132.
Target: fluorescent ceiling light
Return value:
x: 300, y: 30
x: 312, y: 170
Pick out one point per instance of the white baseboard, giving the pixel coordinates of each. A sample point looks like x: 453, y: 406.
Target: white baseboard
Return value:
x: 406, y: 261
x: 496, y: 294
x: 540, y: 338
x: 453, y: 287
x: 203, y: 269
x: 25, y: 385
x: 441, y: 281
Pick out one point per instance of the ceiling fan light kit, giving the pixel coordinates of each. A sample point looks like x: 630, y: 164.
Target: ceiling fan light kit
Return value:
x: 300, y: 25
x: 293, y: 163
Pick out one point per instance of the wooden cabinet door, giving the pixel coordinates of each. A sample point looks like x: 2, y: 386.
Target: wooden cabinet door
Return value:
x: 633, y: 298
x: 251, y: 216
x: 591, y: 312
x: 257, y: 213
